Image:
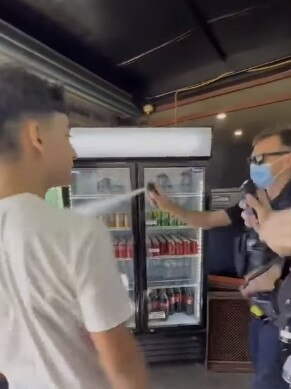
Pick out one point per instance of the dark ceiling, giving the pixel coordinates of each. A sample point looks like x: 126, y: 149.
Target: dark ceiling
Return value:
x: 155, y: 46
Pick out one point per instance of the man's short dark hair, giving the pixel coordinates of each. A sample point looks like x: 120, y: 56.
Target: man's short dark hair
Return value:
x: 24, y: 94
x: 283, y: 134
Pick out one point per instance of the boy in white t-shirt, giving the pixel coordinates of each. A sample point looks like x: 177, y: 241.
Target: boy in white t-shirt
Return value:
x: 62, y: 302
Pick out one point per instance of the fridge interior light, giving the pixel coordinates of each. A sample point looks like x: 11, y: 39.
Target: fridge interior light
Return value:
x: 142, y: 142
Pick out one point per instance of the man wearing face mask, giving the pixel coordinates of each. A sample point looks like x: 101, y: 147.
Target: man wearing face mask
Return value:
x: 270, y: 169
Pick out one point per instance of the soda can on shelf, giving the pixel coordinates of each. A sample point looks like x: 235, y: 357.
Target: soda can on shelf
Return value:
x: 122, y: 248
x: 171, y: 245
x: 186, y: 245
x: 178, y: 245
x: 119, y: 219
x: 111, y: 220
x: 164, y: 218
x: 163, y: 245
x: 172, y: 220
x: 155, y: 247
x: 194, y: 246
x: 127, y: 222
x: 155, y: 216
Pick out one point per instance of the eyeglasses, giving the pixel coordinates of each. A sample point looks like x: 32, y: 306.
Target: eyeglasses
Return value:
x: 259, y: 158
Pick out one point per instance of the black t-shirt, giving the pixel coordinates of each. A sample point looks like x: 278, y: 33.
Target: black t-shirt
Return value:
x: 282, y: 201
x: 234, y: 213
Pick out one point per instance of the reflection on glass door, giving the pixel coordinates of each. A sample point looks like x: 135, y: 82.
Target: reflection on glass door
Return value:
x: 101, y: 183
x: 174, y: 250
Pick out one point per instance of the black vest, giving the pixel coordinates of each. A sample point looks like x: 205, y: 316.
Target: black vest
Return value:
x: 250, y: 252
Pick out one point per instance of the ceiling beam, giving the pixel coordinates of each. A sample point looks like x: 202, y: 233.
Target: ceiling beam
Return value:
x: 201, y: 19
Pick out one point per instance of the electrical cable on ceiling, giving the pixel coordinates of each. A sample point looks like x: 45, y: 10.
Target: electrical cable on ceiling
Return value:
x: 220, y: 77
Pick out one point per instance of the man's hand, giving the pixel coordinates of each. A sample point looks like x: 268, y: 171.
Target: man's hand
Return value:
x: 159, y: 200
x: 262, y: 283
x: 276, y: 232
x: 262, y: 207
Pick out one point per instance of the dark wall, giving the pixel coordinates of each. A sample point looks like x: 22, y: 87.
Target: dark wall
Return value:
x: 227, y: 167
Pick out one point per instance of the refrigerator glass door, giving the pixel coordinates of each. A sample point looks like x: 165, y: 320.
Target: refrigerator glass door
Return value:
x: 97, y: 184
x: 54, y: 196
x: 174, y: 250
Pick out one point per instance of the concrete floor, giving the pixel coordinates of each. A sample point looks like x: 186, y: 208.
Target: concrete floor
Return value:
x: 192, y: 377
x: 195, y: 376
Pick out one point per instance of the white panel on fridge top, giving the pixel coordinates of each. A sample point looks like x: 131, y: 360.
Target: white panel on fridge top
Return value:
x: 142, y: 142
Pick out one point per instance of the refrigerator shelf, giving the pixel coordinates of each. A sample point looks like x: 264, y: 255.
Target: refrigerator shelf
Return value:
x: 193, y: 256
x: 175, y: 320
x: 119, y: 229
x: 181, y: 283
x: 94, y: 196
x: 169, y: 194
x: 124, y: 259
x: 158, y: 228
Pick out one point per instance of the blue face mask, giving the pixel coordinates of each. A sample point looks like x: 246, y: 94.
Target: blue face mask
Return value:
x: 262, y: 175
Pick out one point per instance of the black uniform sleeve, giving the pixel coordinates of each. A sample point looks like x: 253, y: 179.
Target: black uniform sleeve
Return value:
x: 234, y: 213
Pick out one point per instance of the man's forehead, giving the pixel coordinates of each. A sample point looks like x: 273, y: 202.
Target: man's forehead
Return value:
x: 267, y: 145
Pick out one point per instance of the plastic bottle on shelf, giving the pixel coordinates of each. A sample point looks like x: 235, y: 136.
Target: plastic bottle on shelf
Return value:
x: 129, y: 249
x: 172, y: 300
x: 184, y: 299
x: 178, y: 300
x: 189, y: 302
x: 149, y: 301
x: 164, y: 303
x: 156, y: 303
x: 167, y: 269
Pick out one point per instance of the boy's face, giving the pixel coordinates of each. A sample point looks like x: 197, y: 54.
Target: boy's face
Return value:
x: 54, y: 150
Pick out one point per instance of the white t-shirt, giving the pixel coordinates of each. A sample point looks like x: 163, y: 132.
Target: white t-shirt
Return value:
x: 58, y: 280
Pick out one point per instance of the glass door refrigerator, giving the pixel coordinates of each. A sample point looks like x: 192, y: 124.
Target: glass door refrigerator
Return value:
x: 173, y: 251
x: 165, y: 276
x: 94, y: 181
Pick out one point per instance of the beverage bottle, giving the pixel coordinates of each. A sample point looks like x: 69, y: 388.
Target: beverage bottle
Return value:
x: 171, y: 298
x: 178, y: 300
x: 164, y: 302
x: 155, y: 300
x: 184, y: 299
x: 189, y: 302
x: 150, y: 303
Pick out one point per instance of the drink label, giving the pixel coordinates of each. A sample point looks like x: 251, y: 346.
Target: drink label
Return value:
x: 160, y: 315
